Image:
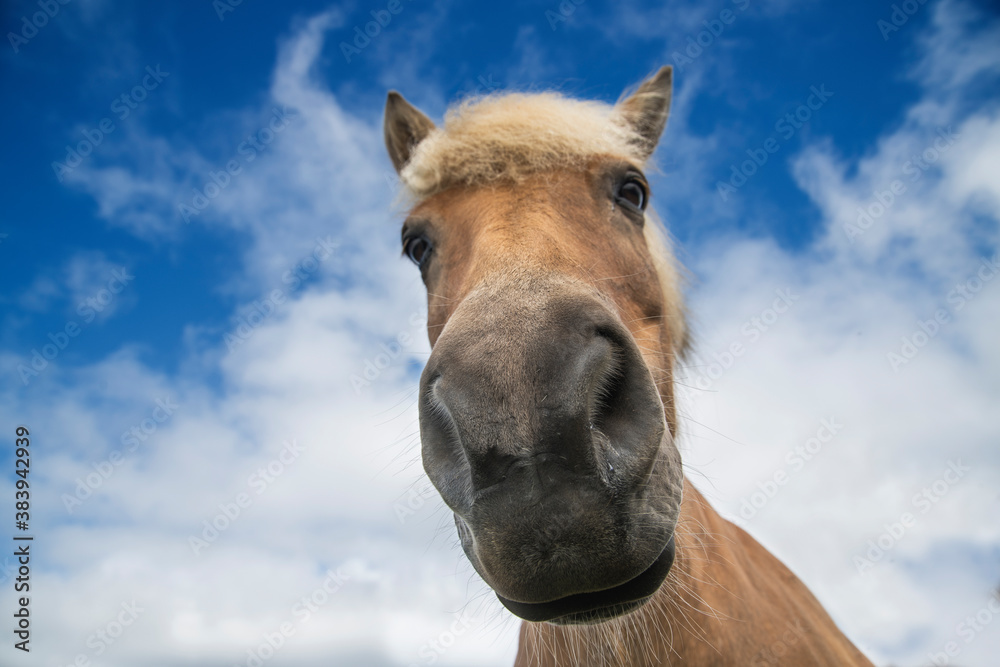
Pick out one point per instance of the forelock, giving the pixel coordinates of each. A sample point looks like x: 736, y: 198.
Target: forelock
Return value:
x: 508, y: 136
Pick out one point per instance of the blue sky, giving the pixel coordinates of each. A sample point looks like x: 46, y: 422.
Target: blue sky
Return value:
x: 69, y: 75
x: 304, y: 231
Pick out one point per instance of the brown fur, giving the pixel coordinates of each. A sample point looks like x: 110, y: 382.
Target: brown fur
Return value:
x: 514, y: 203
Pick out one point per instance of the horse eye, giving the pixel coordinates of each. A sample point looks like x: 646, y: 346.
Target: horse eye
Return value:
x: 632, y: 192
x: 417, y: 248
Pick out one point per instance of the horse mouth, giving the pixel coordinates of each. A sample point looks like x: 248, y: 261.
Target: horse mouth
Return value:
x: 599, y: 606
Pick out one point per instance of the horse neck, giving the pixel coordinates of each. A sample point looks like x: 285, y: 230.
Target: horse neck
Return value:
x: 727, y: 602
x: 668, y: 629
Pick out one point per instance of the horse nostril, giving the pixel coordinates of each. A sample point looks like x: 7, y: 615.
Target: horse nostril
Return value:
x: 626, y: 417
x: 608, y: 394
x: 574, y: 400
x: 443, y: 452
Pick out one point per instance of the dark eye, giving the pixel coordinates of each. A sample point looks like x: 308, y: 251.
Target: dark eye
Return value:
x: 417, y: 248
x: 632, y: 192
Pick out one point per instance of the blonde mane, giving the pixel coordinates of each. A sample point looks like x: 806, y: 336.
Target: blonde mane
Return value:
x: 506, y: 137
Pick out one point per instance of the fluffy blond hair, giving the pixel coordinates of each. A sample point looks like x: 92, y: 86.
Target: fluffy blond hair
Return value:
x: 509, y: 136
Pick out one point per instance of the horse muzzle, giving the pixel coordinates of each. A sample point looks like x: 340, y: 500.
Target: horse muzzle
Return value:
x: 544, y: 432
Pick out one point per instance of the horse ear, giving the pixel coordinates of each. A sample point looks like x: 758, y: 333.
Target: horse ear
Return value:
x: 405, y: 127
x: 647, y: 108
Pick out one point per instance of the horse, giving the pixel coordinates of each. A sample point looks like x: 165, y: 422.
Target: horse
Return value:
x: 547, y: 411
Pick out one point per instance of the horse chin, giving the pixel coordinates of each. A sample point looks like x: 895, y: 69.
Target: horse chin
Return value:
x: 599, y: 606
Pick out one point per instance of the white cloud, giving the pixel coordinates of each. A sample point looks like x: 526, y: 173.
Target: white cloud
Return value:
x: 859, y: 295
x: 89, y: 285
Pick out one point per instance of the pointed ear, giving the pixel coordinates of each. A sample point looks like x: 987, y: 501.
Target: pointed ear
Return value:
x: 405, y: 127
x: 647, y: 108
